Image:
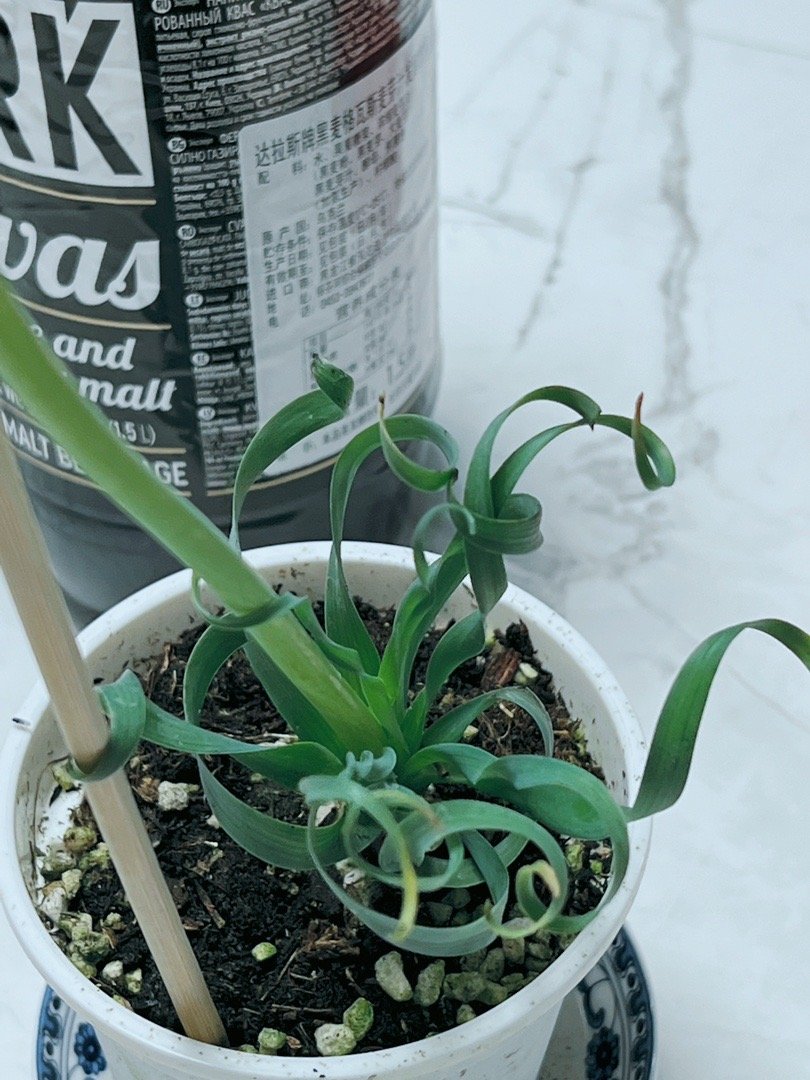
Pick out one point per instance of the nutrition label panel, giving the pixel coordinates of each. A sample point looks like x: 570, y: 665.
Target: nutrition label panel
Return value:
x: 312, y: 230
x: 338, y: 206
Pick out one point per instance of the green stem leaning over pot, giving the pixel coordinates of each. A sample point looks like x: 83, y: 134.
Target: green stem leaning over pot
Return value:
x: 47, y: 390
x: 362, y: 741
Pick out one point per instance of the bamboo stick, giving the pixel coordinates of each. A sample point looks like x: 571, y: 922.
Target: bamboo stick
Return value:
x: 44, y: 616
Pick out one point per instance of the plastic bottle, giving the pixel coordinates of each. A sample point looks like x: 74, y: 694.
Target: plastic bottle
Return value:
x: 195, y: 196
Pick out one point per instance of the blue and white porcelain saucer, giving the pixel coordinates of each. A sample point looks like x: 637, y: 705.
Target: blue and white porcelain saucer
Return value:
x: 605, y: 1030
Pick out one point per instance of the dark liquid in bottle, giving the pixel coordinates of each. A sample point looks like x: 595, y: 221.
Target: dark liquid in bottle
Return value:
x: 193, y: 200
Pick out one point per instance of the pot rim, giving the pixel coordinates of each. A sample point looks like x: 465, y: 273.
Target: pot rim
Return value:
x: 135, y: 1031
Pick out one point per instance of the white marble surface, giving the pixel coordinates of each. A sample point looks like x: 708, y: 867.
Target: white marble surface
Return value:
x: 624, y: 208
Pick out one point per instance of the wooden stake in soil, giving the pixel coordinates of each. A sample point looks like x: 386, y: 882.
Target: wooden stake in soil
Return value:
x: 44, y: 615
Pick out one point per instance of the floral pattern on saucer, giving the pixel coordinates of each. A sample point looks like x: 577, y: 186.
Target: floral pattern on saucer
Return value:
x: 67, y: 1047
x: 605, y: 1031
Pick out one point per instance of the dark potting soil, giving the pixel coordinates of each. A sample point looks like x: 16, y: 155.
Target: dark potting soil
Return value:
x: 229, y: 901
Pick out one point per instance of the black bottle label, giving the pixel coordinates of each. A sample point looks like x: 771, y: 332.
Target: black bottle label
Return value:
x: 195, y: 195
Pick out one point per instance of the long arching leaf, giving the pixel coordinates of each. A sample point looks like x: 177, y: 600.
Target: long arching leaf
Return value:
x: 124, y: 704
x: 459, y: 643
x: 275, y: 842
x: 673, y: 743
x: 301, y: 716
x: 343, y: 624
x: 450, y: 727
x: 417, y: 612
x: 413, y: 473
x: 489, y: 498
x: 653, y: 459
x: 294, y: 422
x: 553, y: 793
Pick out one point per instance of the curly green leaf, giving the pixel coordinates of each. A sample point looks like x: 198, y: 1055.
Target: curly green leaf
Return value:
x: 673, y: 743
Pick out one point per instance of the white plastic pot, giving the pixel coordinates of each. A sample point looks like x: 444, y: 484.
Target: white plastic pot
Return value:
x: 509, y: 1041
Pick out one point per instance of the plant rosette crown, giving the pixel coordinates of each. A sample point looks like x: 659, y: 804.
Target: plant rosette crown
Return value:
x: 508, y: 1040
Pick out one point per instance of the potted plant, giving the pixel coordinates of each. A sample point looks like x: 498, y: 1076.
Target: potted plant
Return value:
x: 393, y: 791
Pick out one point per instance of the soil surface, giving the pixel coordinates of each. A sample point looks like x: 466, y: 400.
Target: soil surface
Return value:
x: 230, y: 902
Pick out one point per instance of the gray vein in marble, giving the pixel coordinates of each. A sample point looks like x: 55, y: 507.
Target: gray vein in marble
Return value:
x: 663, y: 616
x: 766, y: 48
x: 565, y: 565
x: 762, y: 47
x: 548, y: 575
x: 565, y: 561
x: 494, y: 70
x: 520, y: 223
x: 674, y: 284
x: 795, y: 721
x: 544, y: 96
x: 560, y: 572
x: 579, y: 171
x: 691, y: 641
